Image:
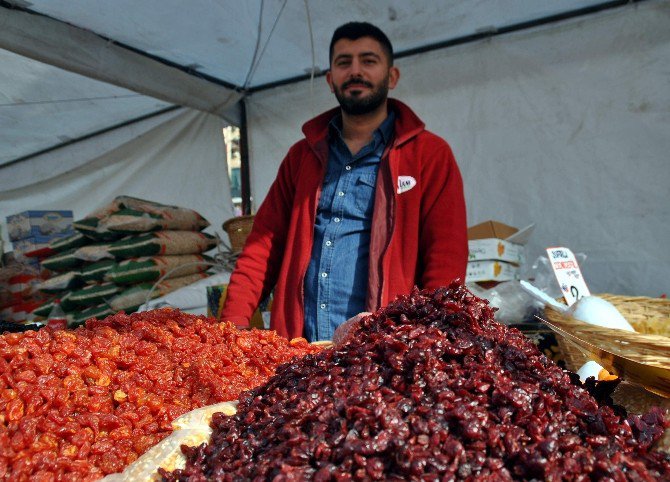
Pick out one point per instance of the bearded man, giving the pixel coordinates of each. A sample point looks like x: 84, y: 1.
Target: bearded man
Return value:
x: 366, y: 206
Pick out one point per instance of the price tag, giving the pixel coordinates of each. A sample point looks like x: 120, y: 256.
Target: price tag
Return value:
x: 568, y: 274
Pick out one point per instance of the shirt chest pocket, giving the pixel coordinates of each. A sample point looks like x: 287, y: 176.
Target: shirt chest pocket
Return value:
x: 364, y: 195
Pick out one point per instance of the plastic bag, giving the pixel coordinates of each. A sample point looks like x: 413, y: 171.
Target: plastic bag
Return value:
x: 541, y: 275
x: 514, y: 304
x: 191, y: 429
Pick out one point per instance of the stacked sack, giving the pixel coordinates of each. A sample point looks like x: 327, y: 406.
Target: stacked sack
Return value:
x: 126, y: 254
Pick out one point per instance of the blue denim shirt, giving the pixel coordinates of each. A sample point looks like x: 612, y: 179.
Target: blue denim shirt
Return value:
x: 336, y: 282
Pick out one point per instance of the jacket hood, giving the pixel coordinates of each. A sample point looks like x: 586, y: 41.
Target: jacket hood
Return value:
x: 407, y: 124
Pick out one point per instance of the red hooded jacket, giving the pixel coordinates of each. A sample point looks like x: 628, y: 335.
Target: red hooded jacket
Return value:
x: 418, y: 234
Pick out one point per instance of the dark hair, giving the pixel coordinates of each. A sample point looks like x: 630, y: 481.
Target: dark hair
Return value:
x: 356, y: 30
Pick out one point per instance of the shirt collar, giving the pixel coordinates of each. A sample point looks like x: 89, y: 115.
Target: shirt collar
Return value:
x: 385, y: 129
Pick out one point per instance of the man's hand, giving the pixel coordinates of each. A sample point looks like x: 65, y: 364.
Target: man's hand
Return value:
x: 341, y: 335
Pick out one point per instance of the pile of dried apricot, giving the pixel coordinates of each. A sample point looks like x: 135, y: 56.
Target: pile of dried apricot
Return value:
x: 77, y: 405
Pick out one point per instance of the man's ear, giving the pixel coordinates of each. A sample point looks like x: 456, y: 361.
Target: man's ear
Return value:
x: 329, y: 79
x: 394, y: 77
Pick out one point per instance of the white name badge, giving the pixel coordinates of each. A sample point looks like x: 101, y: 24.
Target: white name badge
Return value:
x: 405, y: 183
x: 568, y: 274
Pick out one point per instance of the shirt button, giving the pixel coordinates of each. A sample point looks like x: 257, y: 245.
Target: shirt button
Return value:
x: 329, y: 243
x: 324, y: 275
x: 323, y: 306
x: 348, y: 168
x: 341, y: 193
x: 337, y: 220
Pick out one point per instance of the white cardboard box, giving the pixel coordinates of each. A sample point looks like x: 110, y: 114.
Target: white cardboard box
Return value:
x: 491, y: 271
x: 495, y: 249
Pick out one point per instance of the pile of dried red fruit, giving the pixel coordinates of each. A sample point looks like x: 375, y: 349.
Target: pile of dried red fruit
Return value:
x: 76, y: 405
x: 429, y: 388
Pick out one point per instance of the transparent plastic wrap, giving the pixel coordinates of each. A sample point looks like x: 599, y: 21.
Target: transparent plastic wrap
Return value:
x: 514, y: 303
x: 541, y: 275
x: 191, y: 429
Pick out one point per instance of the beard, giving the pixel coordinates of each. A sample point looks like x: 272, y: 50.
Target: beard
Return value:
x: 357, y: 105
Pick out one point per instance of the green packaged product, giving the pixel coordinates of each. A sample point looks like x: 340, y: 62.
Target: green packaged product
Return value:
x: 142, y: 270
x: 65, y: 261
x: 163, y: 243
x: 139, y: 216
x: 94, y: 273
x: 129, y: 215
x: 44, y: 309
x: 67, y: 304
x: 92, y: 228
x: 64, y: 244
x: 66, y: 281
x: 94, y: 294
x: 100, y: 311
x: 132, y: 298
x: 94, y: 252
x: 131, y: 221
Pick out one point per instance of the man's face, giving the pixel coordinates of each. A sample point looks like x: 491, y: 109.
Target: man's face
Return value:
x: 360, y: 75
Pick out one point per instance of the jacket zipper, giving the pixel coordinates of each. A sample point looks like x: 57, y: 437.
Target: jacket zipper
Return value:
x: 389, y: 234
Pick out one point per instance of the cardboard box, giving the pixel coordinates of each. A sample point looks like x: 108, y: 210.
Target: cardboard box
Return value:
x: 490, y: 229
x: 495, y: 249
x: 42, y: 225
x: 491, y: 271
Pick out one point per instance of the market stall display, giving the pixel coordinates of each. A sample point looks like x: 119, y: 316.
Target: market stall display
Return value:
x: 126, y: 244
x: 84, y: 403
x: 430, y: 388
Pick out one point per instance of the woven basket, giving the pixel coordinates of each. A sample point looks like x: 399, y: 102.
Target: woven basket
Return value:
x: 238, y: 229
x: 650, y: 316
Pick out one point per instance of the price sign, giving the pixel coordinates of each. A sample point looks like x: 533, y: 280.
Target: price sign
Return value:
x: 568, y: 274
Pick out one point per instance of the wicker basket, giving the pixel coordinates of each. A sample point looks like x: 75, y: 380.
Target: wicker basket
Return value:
x: 646, y: 315
x: 238, y: 229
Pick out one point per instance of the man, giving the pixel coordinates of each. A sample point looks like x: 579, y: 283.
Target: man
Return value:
x: 366, y: 206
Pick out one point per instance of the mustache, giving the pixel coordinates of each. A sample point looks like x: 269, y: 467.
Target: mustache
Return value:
x: 360, y: 82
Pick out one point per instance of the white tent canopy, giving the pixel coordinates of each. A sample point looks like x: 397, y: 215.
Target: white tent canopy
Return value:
x: 563, y: 123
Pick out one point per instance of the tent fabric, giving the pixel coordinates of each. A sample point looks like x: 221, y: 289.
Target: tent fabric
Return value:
x: 87, y: 53
x: 168, y: 50
x: 180, y: 161
x: 42, y: 106
x: 220, y: 38
x: 55, y: 162
x: 565, y: 126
